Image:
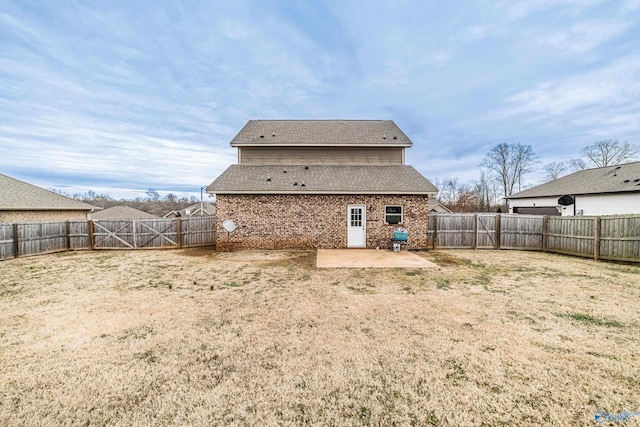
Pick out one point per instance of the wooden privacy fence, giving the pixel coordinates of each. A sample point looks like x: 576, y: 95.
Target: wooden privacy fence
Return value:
x: 607, y: 237
x: 23, y: 239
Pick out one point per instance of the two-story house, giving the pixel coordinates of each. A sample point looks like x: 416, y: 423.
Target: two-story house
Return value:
x: 321, y: 184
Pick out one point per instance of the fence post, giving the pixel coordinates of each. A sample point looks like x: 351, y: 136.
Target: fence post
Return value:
x: 134, y: 228
x: 497, y: 228
x: 67, y: 236
x: 90, y: 230
x: 545, y: 224
x: 596, y: 238
x: 434, y: 235
x: 179, y: 232
x: 16, y: 244
x: 475, y: 231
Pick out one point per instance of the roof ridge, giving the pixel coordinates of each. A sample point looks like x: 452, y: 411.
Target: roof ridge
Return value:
x: 605, y: 167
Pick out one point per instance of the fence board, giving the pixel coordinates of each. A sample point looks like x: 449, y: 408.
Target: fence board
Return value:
x: 620, y: 238
x: 523, y: 232
x: 109, y: 234
x: 78, y: 235
x: 6, y: 241
x: 486, y: 231
x: 198, y: 231
x: 42, y: 237
x: 571, y: 235
x: 156, y: 233
x: 607, y: 237
x: 455, y: 231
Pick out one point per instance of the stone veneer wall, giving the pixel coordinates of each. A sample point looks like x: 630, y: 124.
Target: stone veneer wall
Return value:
x: 314, y: 221
x: 42, y: 216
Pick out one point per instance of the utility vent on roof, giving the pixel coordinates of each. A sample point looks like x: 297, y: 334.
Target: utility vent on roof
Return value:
x: 636, y: 180
x: 261, y: 136
x: 306, y: 167
x: 302, y: 185
x: 626, y: 180
x: 395, y: 137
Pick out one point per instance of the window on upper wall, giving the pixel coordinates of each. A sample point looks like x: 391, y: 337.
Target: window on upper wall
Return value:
x: 393, y: 214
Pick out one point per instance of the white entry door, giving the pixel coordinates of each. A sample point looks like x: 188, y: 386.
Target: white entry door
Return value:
x: 356, y: 232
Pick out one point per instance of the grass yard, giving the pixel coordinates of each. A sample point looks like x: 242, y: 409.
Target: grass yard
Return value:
x: 195, y: 337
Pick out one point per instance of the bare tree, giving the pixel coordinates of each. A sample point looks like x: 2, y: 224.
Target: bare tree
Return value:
x: 153, y: 194
x: 485, y: 190
x: 448, y: 192
x: 524, y: 159
x: 578, y: 164
x: 456, y: 196
x: 554, y: 170
x: 510, y: 163
x: 609, y: 152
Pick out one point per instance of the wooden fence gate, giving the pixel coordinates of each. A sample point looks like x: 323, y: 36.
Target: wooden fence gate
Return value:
x: 23, y: 239
x: 135, y: 234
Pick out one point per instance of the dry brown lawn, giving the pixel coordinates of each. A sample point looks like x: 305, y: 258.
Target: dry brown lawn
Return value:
x: 195, y: 337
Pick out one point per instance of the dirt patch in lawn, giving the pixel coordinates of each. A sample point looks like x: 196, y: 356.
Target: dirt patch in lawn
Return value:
x: 197, y: 337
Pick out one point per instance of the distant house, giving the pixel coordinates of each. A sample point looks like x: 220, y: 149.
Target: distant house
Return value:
x: 437, y: 207
x: 122, y: 212
x: 322, y: 184
x: 23, y: 202
x: 207, y: 209
x: 612, y: 190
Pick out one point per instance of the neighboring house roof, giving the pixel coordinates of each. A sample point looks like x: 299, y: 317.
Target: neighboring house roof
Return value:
x: 18, y: 195
x: 122, y: 212
x: 437, y: 207
x: 321, y: 132
x: 208, y: 209
x: 325, y: 179
x: 611, y: 179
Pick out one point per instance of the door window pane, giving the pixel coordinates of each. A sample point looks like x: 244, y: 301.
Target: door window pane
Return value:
x: 356, y: 217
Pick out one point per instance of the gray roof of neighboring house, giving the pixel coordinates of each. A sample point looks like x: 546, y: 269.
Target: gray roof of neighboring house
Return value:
x: 610, y: 179
x: 326, y: 179
x: 321, y: 132
x: 435, y: 206
x: 19, y: 195
x: 208, y: 208
x: 122, y: 212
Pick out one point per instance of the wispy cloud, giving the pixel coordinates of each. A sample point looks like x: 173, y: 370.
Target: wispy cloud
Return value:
x: 585, y: 36
x: 612, y: 85
x: 150, y: 94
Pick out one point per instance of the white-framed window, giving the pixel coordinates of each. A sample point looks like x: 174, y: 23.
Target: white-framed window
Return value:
x: 393, y: 214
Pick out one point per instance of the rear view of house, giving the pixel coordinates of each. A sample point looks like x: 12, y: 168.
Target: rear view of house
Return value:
x: 321, y: 184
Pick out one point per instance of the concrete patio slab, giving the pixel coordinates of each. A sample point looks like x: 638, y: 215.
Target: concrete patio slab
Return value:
x: 369, y: 258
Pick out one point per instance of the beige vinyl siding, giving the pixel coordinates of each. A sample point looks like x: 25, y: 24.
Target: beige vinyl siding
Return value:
x: 320, y: 156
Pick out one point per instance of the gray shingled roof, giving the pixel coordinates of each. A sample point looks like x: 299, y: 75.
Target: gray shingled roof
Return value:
x: 610, y: 179
x: 321, y: 132
x: 208, y: 209
x: 19, y: 195
x: 122, y: 212
x: 329, y: 179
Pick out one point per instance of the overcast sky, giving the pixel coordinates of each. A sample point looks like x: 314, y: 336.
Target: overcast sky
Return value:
x: 121, y: 96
